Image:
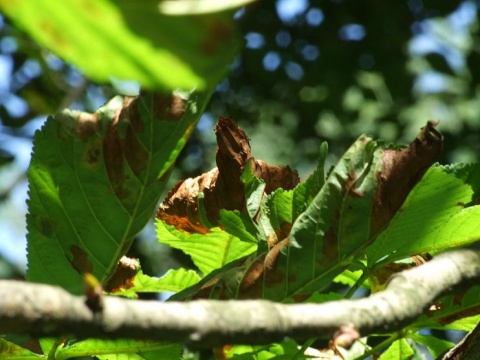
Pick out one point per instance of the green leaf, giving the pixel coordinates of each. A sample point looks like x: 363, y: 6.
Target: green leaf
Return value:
x: 435, y: 345
x: 334, y: 227
x: 350, y: 278
x: 458, y: 311
x: 430, y: 220
x: 240, y: 225
x: 399, y: 350
x: 468, y: 173
x: 11, y: 351
x: 305, y: 192
x: 208, y: 251
x: 120, y: 349
x: 131, y: 40
x: 173, y: 281
x: 254, y: 191
x: 95, y: 181
x: 286, y: 350
x: 467, y: 323
x: 279, y: 205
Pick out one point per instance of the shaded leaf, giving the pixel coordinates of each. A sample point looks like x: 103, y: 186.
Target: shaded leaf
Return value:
x: 305, y: 192
x: 95, y: 180
x: 239, y: 224
x: 279, y: 205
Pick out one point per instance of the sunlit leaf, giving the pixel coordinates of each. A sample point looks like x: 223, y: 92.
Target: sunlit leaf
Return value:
x: 458, y: 311
x: 429, y: 217
x: 95, y: 181
x: 208, y: 251
x: 173, y: 281
x: 399, y: 350
x: 120, y: 349
x: 435, y: 345
x: 9, y: 350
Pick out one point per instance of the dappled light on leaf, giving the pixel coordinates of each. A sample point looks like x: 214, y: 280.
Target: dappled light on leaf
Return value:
x: 95, y: 181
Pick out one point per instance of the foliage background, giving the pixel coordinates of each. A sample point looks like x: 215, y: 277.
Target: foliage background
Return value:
x: 310, y: 71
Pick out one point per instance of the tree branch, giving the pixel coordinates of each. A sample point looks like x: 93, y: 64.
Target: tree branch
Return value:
x: 43, y: 310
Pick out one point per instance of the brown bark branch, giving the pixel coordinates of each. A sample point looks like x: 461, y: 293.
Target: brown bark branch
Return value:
x: 43, y: 310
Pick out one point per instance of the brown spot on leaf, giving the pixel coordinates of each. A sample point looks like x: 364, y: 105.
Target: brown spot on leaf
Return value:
x: 330, y: 246
x: 222, y: 186
x: 93, y: 152
x: 169, y: 107
x: 46, y: 225
x: 300, y: 298
x: 401, y: 171
x: 123, y: 276
x: 80, y: 260
x: 86, y: 125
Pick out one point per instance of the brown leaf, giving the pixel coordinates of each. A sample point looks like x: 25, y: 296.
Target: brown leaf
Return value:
x: 222, y: 186
x: 124, y: 275
x: 121, y: 144
x: 401, y: 171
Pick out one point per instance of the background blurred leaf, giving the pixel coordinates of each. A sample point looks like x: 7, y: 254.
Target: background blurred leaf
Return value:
x: 131, y: 41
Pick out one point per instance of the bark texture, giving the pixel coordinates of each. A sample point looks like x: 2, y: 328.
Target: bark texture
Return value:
x: 44, y: 310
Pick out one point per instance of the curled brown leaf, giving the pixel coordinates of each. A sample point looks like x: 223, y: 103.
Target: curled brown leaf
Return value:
x: 222, y: 186
x: 401, y: 170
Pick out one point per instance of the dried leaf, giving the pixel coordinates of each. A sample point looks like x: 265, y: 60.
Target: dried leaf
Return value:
x: 401, y: 170
x: 222, y: 186
x: 124, y: 275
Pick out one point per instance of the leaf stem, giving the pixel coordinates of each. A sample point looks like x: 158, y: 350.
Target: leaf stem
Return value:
x: 382, y: 345
x: 357, y: 284
x: 301, y: 352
